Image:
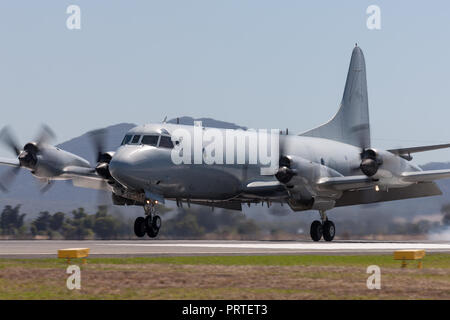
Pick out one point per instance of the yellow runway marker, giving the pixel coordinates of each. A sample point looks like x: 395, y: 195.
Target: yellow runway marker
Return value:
x: 409, y: 255
x: 73, y: 253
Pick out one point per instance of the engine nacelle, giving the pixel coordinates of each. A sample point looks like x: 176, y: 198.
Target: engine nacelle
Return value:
x: 102, y: 167
x: 294, y: 166
x: 370, y: 162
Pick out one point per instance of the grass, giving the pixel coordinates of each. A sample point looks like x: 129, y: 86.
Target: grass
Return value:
x: 227, y: 277
x: 431, y: 260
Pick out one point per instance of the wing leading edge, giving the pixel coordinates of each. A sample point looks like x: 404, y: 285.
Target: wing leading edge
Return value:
x: 405, y: 153
x: 10, y: 162
x: 364, y: 182
x: 425, y: 176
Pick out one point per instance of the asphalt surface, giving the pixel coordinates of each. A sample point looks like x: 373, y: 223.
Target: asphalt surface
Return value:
x: 46, y: 248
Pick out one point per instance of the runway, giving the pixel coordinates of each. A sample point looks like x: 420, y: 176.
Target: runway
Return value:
x: 48, y: 248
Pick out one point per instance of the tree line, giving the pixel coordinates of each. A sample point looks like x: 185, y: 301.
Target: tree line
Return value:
x: 188, y: 223
x: 80, y: 225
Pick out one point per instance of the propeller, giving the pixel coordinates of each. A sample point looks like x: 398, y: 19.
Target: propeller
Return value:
x: 98, y: 138
x: 44, y: 185
x: 9, y: 177
x: 10, y: 140
x: 98, y: 142
x: 28, y: 155
x: 370, y: 161
x: 45, y: 135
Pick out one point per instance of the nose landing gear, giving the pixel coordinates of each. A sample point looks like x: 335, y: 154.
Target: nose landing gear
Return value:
x: 150, y: 224
x: 325, y: 228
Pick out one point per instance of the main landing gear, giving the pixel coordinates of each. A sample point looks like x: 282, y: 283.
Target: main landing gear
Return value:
x: 323, y: 228
x: 150, y: 224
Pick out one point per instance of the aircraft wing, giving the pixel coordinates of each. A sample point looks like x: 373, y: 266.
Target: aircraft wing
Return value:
x: 365, y: 196
x: 230, y: 205
x: 80, y: 172
x: 263, y: 188
x: 264, y: 184
x: 9, y: 162
x: 425, y: 176
x: 346, y: 183
x: 86, y: 178
x: 406, y: 152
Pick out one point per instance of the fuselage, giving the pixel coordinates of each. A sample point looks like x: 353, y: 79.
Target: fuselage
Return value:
x: 150, y: 167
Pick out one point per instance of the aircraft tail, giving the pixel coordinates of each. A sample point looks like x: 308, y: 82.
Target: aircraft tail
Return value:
x: 351, y: 122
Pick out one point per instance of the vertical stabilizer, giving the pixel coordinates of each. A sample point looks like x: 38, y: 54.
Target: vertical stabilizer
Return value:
x: 351, y: 122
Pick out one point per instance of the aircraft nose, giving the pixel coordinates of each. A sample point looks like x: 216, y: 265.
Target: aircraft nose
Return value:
x: 120, y: 167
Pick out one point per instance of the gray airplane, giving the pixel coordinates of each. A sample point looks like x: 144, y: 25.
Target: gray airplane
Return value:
x: 329, y: 166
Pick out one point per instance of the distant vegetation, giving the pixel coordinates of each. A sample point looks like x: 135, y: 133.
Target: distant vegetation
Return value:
x: 193, y: 223
x: 80, y: 225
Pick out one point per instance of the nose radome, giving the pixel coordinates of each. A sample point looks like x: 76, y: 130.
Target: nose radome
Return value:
x: 119, y: 166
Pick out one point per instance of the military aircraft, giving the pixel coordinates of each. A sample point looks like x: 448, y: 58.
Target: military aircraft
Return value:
x: 329, y: 166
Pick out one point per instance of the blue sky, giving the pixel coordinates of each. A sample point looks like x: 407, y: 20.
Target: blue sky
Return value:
x: 262, y: 64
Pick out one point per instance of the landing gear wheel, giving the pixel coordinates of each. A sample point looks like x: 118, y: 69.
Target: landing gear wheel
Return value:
x: 150, y: 226
x: 329, y: 230
x: 316, y: 230
x: 156, y: 222
x: 152, y: 232
x: 139, y: 227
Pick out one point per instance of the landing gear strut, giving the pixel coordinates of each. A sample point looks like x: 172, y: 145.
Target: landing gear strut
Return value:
x: 150, y: 224
x: 323, y: 228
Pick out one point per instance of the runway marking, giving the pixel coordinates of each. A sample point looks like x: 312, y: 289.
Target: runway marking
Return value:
x: 297, y: 246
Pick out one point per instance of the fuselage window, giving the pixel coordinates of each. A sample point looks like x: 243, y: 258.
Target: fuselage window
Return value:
x: 126, y: 139
x: 135, y: 139
x: 166, y: 142
x: 150, y: 140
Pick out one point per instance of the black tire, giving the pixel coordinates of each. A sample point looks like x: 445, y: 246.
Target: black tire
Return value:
x: 156, y: 223
x: 329, y: 230
x: 147, y: 223
x: 316, y: 230
x: 152, y: 232
x: 139, y: 227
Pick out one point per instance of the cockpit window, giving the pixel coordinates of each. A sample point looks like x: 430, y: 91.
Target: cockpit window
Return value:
x: 136, y: 139
x: 126, y: 139
x: 166, y: 142
x: 150, y: 140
